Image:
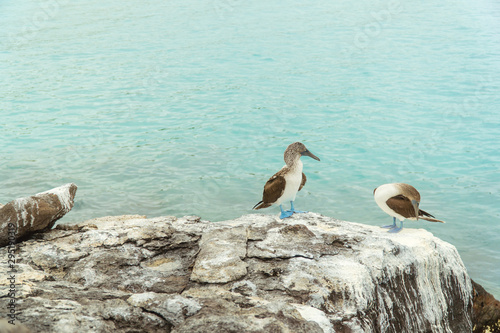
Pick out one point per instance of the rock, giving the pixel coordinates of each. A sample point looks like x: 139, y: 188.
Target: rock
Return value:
x: 486, y: 311
x: 6, y: 327
x: 173, y: 308
x: 23, y: 217
x: 220, y: 257
x: 309, y: 273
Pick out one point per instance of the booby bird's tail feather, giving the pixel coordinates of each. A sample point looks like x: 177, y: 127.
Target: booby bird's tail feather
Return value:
x: 261, y: 204
x: 430, y: 219
x: 422, y: 214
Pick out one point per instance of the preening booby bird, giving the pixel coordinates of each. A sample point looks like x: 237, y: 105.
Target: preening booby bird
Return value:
x: 284, y: 184
x: 400, y: 201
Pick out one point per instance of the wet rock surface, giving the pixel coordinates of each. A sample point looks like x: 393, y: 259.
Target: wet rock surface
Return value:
x: 308, y: 273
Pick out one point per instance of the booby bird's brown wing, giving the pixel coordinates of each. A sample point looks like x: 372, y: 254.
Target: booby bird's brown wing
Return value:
x: 273, y: 189
x: 401, y: 205
x: 303, y: 182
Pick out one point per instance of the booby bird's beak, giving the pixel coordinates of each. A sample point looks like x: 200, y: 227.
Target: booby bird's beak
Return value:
x: 308, y: 153
x: 415, y: 204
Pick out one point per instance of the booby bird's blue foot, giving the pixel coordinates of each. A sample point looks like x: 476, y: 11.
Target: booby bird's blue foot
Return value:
x: 292, y: 209
x: 285, y: 213
x: 395, y: 230
x: 390, y: 226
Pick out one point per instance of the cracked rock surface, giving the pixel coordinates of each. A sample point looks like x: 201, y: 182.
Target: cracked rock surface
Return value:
x: 308, y: 273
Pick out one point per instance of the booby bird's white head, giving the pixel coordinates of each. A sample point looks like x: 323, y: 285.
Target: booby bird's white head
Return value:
x: 295, y: 151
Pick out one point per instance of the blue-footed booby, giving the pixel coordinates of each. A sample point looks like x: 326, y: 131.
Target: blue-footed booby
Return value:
x: 284, y: 184
x: 401, y: 201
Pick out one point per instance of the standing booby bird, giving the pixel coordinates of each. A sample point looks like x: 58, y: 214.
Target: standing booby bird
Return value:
x: 284, y: 184
x: 400, y: 201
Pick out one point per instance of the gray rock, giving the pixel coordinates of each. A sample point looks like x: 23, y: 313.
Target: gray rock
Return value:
x: 25, y: 216
x: 173, y: 308
x: 309, y: 273
x: 6, y: 327
x: 220, y: 257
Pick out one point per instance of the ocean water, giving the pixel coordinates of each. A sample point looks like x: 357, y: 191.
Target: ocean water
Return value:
x: 183, y: 107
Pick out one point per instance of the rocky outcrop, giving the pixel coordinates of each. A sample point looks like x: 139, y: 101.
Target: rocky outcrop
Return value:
x: 486, y: 311
x: 25, y: 216
x: 308, y: 273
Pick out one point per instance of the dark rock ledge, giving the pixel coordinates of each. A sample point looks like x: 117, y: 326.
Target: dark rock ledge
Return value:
x: 486, y: 311
x: 309, y: 273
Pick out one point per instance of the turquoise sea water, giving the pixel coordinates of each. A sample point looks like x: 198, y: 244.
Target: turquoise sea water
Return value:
x: 182, y: 107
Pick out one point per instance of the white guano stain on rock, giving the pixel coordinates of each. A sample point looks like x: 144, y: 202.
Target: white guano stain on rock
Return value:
x: 63, y: 193
x: 310, y: 313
